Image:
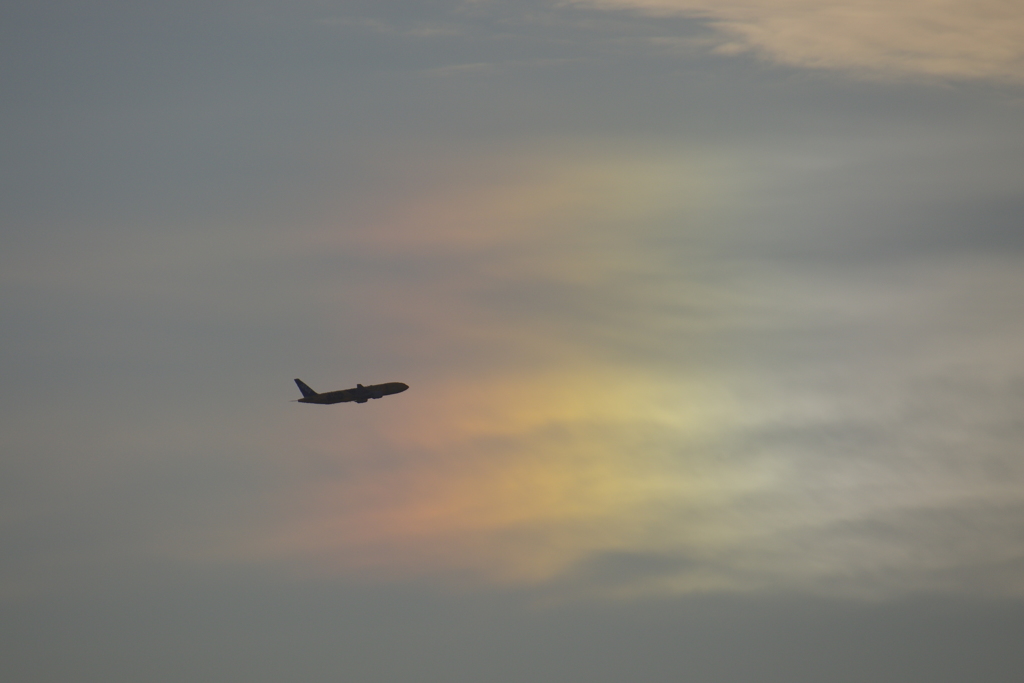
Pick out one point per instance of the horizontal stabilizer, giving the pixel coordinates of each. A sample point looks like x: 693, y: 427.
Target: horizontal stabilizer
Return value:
x: 306, y: 391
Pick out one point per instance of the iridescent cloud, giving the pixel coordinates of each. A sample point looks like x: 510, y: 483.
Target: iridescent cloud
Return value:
x: 593, y: 405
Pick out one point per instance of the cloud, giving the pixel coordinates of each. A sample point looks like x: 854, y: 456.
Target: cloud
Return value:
x: 948, y: 39
x: 594, y: 409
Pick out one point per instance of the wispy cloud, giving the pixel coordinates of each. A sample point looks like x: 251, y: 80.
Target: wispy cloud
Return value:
x: 948, y: 39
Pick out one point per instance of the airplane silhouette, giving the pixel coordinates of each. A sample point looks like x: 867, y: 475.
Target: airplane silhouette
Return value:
x: 359, y: 394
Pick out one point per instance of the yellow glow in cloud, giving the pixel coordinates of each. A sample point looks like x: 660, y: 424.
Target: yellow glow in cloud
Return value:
x: 877, y: 38
x: 516, y: 478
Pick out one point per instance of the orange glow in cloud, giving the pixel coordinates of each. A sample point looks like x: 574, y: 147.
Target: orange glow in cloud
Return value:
x: 514, y: 478
x: 526, y: 196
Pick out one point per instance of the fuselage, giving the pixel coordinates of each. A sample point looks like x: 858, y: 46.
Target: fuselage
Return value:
x: 359, y: 394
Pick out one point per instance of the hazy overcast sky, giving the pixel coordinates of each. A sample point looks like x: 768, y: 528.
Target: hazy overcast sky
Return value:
x: 712, y: 313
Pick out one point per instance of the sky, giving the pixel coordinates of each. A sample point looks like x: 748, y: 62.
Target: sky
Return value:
x: 710, y: 312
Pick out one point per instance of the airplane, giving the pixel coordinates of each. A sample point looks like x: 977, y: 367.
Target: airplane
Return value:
x: 359, y: 394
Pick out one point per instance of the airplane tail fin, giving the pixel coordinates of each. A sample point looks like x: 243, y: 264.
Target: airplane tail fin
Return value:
x: 306, y: 391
